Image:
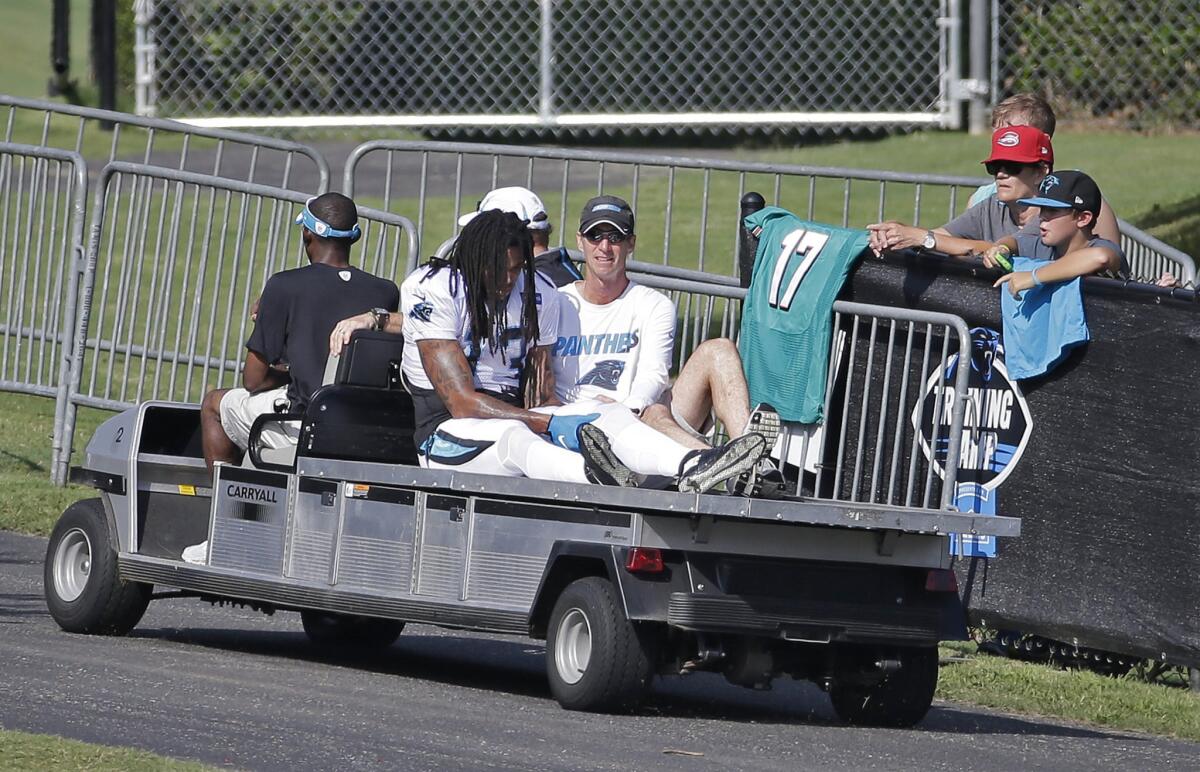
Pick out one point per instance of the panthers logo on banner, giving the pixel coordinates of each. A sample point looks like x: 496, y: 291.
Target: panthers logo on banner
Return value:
x: 605, y: 374
x: 996, y: 430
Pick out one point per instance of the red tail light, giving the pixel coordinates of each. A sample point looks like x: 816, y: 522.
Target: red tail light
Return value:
x: 644, y: 560
x: 941, y: 580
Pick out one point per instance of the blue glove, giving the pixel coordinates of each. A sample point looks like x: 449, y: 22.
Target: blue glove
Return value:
x: 564, y: 429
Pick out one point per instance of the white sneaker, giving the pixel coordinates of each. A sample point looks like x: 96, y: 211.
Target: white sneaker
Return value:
x: 197, y: 553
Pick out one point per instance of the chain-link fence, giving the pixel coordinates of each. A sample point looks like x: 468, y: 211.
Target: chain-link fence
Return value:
x: 1131, y: 65
x: 598, y: 64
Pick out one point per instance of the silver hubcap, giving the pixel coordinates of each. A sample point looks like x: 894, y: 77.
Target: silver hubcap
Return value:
x: 72, y: 564
x: 573, y: 646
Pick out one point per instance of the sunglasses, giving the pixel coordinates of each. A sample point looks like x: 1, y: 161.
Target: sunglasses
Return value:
x: 1011, y: 168
x: 613, y: 237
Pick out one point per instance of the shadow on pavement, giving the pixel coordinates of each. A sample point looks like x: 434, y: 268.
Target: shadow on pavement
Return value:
x: 517, y: 667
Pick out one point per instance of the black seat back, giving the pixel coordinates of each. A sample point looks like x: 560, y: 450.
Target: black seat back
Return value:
x: 365, y: 415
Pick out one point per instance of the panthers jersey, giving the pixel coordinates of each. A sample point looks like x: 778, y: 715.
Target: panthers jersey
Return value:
x: 799, y: 269
x: 620, y: 350
x: 434, y: 304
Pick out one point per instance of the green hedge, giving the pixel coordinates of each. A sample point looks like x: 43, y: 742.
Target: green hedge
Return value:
x: 1133, y: 63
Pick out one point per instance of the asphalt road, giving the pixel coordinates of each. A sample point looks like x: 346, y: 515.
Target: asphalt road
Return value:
x: 234, y: 688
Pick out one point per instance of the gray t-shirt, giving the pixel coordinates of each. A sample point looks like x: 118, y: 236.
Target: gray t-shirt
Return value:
x: 1032, y: 246
x: 989, y: 220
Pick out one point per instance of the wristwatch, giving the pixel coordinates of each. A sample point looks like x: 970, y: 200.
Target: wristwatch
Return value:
x: 379, y: 318
x: 930, y: 241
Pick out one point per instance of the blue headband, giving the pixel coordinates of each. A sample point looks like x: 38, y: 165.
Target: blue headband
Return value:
x: 324, y: 229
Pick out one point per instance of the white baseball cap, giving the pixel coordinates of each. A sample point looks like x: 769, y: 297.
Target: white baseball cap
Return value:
x: 522, y: 202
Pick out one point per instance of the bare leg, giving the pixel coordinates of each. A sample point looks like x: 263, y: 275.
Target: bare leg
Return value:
x: 712, y: 381
x: 217, y: 445
x: 658, y: 416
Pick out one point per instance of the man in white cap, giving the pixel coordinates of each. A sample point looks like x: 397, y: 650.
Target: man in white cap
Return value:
x: 555, y: 263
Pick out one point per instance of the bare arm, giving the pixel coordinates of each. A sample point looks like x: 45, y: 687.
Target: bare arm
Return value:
x: 1106, y: 224
x: 258, y: 375
x: 340, y: 337
x: 1081, y: 262
x: 450, y: 375
x: 891, y: 235
x: 539, y: 383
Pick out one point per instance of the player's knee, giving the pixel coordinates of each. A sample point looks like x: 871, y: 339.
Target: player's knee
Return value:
x: 718, y: 350
x: 657, y: 414
x: 211, y: 403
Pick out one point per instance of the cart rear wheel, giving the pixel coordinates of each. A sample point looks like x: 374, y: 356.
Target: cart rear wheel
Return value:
x: 900, y: 699
x: 595, y: 658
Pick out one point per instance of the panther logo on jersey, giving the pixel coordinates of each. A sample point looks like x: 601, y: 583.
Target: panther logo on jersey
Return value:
x: 422, y: 311
x: 605, y: 374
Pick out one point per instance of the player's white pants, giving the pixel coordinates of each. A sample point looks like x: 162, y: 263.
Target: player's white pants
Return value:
x: 511, y: 449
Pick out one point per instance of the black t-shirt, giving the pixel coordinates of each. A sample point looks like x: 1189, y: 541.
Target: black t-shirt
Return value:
x: 558, y: 266
x: 298, y: 311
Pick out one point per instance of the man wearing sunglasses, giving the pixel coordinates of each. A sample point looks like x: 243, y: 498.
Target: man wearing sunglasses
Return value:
x: 1021, y: 157
x: 615, y: 345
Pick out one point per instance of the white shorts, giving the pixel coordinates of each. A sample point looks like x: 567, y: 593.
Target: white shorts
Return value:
x: 705, y: 433
x: 239, y: 408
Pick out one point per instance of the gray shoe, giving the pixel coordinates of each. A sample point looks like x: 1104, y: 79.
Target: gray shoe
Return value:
x: 600, y: 464
x: 702, y: 470
x: 765, y: 421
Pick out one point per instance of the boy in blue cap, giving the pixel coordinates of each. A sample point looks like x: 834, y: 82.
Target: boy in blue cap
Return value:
x: 1069, y: 203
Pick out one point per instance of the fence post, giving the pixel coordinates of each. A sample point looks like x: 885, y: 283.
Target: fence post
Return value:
x: 60, y: 48
x: 747, y: 244
x: 104, y: 54
x: 545, y: 63
x: 977, y: 116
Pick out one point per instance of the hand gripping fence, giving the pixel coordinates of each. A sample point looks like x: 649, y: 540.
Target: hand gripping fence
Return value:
x: 687, y: 208
x: 175, y: 261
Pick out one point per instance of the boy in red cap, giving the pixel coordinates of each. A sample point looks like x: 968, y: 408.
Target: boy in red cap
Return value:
x: 1021, y: 157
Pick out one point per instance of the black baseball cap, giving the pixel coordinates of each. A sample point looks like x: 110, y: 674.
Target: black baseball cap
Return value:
x: 608, y: 210
x: 1067, y: 190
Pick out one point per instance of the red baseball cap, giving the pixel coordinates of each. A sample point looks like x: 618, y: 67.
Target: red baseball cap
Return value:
x: 1023, y: 144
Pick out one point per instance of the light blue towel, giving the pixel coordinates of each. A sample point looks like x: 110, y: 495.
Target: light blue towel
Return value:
x: 1043, y: 326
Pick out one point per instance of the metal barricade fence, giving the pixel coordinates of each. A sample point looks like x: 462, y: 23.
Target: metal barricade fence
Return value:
x: 249, y: 157
x: 687, y: 208
x: 42, y: 209
x: 893, y: 430
x: 175, y: 261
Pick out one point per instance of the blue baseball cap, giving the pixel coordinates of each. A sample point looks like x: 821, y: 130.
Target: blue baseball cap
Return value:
x: 1067, y: 190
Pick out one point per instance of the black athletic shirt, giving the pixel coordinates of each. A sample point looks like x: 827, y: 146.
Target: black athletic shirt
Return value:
x: 298, y: 311
x: 557, y: 265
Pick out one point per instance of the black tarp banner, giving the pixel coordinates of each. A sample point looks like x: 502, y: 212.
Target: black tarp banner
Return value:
x: 1106, y: 482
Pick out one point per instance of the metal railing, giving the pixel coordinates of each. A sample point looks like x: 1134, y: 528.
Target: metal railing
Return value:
x: 175, y: 261
x: 886, y: 415
x: 249, y: 157
x: 687, y: 208
x: 42, y: 210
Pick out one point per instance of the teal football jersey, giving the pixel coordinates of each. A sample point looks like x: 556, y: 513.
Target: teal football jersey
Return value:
x: 787, y: 321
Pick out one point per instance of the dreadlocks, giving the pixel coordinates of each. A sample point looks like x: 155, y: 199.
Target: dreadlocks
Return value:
x: 480, y: 257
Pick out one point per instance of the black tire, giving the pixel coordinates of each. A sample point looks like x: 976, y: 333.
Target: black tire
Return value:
x: 619, y: 662
x: 344, y: 631
x: 901, y: 699
x: 83, y: 591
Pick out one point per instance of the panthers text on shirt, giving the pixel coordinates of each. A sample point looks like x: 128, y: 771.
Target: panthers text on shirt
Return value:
x: 619, y: 350
x: 434, y: 305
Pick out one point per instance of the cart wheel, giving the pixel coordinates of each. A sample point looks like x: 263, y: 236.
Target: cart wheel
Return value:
x: 344, y: 631
x: 901, y: 699
x: 83, y: 591
x: 595, y: 658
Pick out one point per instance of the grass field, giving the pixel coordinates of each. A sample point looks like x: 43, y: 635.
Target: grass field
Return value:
x: 22, y: 751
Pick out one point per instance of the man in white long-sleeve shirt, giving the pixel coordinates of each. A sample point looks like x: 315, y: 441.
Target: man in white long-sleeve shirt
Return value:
x: 615, y: 339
